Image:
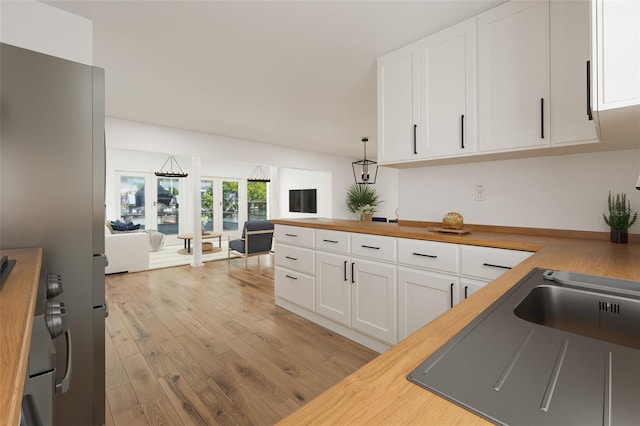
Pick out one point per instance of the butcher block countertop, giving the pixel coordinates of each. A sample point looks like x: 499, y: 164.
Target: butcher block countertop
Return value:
x: 17, y: 304
x: 379, y: 393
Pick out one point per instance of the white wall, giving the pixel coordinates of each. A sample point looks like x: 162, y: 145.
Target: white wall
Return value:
x: 42, y: 28
x: 561, y: 192
x: 238, y: 156
x: 304, y: 179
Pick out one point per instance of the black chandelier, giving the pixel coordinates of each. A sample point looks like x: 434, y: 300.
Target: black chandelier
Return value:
x: 258, y: 175
x: 365, y: 171
x: 171, y: 172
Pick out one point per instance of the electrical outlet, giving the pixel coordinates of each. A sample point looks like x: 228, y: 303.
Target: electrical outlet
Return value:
x: 479, y: 192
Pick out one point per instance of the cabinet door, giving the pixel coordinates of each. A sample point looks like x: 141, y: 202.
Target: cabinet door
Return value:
x: 373, y: 295
x: 448, y: 91
x: 513, y: 100
x: 617, y: 38
x: 468, y: 287
x: 333, y: 287
x: 398, y: 105
x: 571, y: 117
x: 423, y: 296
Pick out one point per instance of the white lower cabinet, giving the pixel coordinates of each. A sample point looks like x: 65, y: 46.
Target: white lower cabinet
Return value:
x: 422, y: 297
x: 333, y: 289
x: 358, y: 293
x: 295, y: 287
x: 373, y: 299
x: 375, y: 289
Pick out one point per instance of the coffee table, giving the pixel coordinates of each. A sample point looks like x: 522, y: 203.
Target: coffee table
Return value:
x: 206, y: 247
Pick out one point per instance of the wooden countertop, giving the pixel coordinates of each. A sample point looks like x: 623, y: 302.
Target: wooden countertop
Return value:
x: 17, y: 304
x: 379, y: 393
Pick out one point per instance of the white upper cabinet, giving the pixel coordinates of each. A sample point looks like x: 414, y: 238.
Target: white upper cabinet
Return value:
x: 398, y: 105
x: 448, y: 91
x: 617, y: 52
x: 513, y: 100
x: 571, y: 65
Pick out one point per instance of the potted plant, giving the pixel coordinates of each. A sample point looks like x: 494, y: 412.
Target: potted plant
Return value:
x: 620, y: 217
x: 362, y: 199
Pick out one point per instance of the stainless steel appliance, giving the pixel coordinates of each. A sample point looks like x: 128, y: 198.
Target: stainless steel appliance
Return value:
x: 40, y: 385
x: 52, y: 160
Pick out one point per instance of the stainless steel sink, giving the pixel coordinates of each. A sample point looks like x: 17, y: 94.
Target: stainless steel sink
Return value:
x: 559, y: 348
x: 606, y: 313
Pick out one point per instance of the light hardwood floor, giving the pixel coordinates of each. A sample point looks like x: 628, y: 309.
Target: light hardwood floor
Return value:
x: 208, y: 346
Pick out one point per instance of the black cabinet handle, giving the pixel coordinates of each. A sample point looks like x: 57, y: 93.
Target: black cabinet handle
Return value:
x: 466, y: 287
x: 542, y: 118
x: 415, y: 138
x: 462, y: 131
x: 290, y: 277
x: 425, y: 255
x: 451, y: 294
x: 345, y: 270
x: 352, y: 276
x: 496, y: 266
x: 291, y: 235
x: 292, y: 258
x: 589, y: 111
x: 330, y: 241
x: 370, y: 247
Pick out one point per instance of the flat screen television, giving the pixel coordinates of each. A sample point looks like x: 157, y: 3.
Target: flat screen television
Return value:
x: 302, y: 201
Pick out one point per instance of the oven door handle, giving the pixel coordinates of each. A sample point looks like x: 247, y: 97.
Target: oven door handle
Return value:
x: 63, y: 385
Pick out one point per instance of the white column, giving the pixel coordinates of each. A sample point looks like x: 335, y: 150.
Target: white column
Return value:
x: 197, y: 219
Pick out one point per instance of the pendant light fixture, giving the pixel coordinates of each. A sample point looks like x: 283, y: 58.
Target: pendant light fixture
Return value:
x: 171, y: 172
x: 365, y: 171
x: 258, y: 175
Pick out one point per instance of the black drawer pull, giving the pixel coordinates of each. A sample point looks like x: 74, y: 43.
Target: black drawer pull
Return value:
x: 370, y: 247
x: 425, y: 255
x: 415, y: 139
x: 289, y: 276
x: 466, y: 294
x: 292, y: 258
x: 291, y: 235
x: 330, y: 241
x: 496, y: 266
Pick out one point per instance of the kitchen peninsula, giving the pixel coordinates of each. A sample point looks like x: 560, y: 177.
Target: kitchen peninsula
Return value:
x: 379, y: 392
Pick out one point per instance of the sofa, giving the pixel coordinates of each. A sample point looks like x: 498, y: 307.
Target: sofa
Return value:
x: 128, y: 250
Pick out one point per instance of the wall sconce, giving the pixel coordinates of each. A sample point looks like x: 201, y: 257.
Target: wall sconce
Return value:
x: 365, y: 171
x: 171, y: 172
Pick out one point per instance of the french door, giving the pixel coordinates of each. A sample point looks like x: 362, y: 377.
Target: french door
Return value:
x: 151, y: 202
x: 222, y: 205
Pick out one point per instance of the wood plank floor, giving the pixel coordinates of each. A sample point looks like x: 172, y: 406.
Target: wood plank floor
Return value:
x: 208, y: 346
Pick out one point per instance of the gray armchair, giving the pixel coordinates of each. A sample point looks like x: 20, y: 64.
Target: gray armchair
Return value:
x: 257, y: 238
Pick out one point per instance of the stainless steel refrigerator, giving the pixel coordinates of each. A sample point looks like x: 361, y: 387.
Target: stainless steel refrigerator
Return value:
x: 52, y: 171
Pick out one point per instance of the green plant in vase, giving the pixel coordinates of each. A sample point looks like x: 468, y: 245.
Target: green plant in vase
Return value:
x: 620, y: 217
x: 361, y: 195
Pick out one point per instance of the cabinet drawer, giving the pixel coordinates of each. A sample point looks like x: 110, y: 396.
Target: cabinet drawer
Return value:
x: 295, y: 287
x: 374, y: 247
x: 428, y: 254
x: 295, y: 235
x: 336, y: 241
x: 489, y: 263
x: 296, y: 258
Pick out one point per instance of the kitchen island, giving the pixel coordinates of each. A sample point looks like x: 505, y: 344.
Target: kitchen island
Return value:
x: 379, y: 392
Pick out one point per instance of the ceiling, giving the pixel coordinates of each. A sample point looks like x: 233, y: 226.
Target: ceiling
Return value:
x: 300, y: 74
